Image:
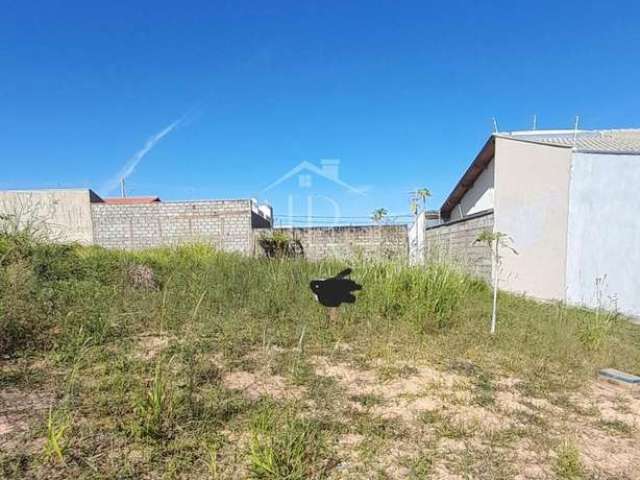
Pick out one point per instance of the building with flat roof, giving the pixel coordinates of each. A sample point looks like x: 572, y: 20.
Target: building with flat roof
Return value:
x: 569, y: 201
x: 80, y: 215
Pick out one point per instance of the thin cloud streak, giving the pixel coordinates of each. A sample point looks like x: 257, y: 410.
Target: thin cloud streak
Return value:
x: 128, y: 168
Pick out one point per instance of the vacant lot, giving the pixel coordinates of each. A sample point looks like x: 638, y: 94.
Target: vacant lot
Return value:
x: 189, y: 363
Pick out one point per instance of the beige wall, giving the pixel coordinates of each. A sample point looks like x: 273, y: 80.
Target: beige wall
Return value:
x: 60, y: 215
x: 531, y: 206
x: 479, y: 197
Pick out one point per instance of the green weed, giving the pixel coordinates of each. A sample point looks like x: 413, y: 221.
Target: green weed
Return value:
x: 568, y: 465
x: 155, y: 409
x: 283, y: 446
x: 58, y: 425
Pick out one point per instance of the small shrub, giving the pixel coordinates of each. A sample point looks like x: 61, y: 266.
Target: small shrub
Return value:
x: 283, y: 446
x: 23, y: 318
x: 568, y: 465
x: 142, y: 276
x: 155, y: 409
x: 616, y: 426
x: 280, y: 245
x: 595, y: 329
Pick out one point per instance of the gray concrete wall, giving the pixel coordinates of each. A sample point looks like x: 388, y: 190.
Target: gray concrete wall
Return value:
x: 58, y: 215
x: 532, y: 207
x: 603, y: 245
x: 371, y: 241
x: 225, y: 224
x: 455, y: 242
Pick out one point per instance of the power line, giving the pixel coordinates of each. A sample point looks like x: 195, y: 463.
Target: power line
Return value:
x: 341, y: 217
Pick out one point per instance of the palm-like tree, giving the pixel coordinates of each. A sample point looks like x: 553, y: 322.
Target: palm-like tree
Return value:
x: 379, y: 214
x: 423, y: 194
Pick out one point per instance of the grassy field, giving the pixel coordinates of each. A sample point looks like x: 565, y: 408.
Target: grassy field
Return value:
x: 190, y: 363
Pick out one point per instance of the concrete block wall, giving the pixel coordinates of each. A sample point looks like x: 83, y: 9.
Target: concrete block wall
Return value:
x: 455, y: 242
x: 60, y: 215
x: 371, y: 241
x: 225, y: 224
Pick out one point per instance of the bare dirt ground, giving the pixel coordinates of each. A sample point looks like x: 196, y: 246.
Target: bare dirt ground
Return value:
x: 412, y: 420
x: 439, y: 418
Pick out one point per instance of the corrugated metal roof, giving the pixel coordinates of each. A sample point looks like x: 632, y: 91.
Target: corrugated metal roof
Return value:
x: 601, y: 141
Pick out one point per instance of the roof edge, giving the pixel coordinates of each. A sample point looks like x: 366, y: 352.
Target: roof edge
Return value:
x: 483, y: 158
x: 537, y: 142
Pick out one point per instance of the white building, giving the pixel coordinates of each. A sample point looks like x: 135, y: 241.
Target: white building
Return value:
x: 569, y: 200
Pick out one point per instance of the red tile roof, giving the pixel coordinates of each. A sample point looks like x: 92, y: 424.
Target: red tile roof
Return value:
x: 131, y: 200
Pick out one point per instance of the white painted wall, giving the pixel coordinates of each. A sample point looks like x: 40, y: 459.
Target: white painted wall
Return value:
x: 604, y: 231
x: 59, y: 215
x: 416, y: 240
x: 531, y: 206
x: 479, y: 197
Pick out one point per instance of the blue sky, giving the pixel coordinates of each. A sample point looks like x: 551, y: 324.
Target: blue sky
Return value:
x: 402, y: 93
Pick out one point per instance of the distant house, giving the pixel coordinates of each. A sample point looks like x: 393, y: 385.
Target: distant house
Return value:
x: 569, y: 200
x: 80, y: 215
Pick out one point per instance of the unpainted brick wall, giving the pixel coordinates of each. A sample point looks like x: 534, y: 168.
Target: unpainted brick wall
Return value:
x: 371, y: 241
x: 225, y: 224
x: 455, y: 242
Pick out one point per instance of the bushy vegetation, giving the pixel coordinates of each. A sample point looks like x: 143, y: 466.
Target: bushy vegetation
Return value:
x: 61, y: 297
x: 82, y: 312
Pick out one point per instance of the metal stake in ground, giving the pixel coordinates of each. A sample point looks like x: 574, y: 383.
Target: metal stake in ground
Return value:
x: 334, y: 291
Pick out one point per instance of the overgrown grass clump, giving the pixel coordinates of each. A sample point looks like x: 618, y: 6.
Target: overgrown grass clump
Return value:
x: 88, y: 314
x: 62, y: 298
x: 285, y: 446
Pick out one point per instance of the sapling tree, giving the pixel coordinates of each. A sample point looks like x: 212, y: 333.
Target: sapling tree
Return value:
x: 418, y: 197
x: 378, y: 215
x: 496, y: 241
x: 423, y: 194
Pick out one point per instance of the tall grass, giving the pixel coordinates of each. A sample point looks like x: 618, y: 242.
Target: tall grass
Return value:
x: 155, y: 408
x: 88, y: 328
x: 67, y: 298
x: 283, y: 446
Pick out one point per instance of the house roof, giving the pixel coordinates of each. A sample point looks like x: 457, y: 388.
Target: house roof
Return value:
x: 593, y: 141
x: 597, y: 141
x: 473, y: 172
x: 130, y: 200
